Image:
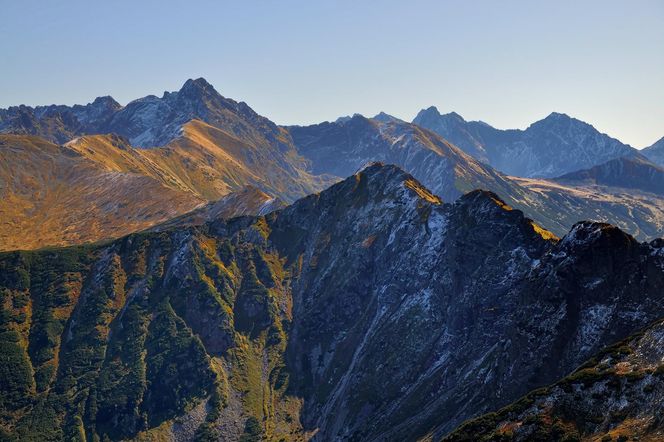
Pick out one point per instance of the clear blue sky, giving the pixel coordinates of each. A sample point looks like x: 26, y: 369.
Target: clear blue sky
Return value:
x: 506, y: 62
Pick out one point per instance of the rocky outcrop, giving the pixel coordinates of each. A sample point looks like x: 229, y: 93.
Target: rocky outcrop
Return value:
x: 616, y: 395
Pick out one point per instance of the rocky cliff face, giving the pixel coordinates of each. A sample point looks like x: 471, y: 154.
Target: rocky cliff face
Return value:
x: 370, y: 311
x: 548, y: 148
x: 616, y: 395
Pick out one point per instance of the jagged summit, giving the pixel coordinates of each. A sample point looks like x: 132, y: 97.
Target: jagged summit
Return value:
x: 379, y: 170
x: 379, y: 181
x: 197, y: 88
x: 557, y: 120
x: 481, y: 195
x: 108, y: 101
x: 147, y: 122
x: 346, y: 118
x: 198, y: 83
x: 591, y: 233
x: 430, y: 111
x: 385, y: 118
x: 550, y: 147
x: 558, y: 116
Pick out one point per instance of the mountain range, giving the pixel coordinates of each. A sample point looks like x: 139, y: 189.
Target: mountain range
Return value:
x: 548, y: 148
x: 204, y: 274
x: 200, y: 146
x: 368, y: 311
x: 631, y: 198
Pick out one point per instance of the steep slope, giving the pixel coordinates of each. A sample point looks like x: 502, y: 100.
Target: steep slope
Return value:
x: 655, y: 153
x: 626, y: 172
x: 209, y: 145
x: 370, y: 311
x: 637, y: 212
x: 150, y: 121
x: 617, y: 395
x: 244, y: 202
x: 153, y: 121
x: 551, y: 147
x: 464, y: 134
x: 342, y: 148
x: 98, y: 186
x: 49, y: 195
x: 205, y: 161
x: 627, y: 191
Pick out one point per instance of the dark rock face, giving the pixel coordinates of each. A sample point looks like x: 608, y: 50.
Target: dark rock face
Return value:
x: 615, y: 395
x: 370, y: 311
x: 548, y: 148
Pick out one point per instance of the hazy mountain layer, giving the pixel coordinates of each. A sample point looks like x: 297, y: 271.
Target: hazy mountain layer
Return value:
x: 548, y: 148
x: 624, y: 191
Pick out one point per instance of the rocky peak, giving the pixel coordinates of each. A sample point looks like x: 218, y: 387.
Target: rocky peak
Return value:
x: 385, y: 118
x: 480, y: 197
x: 378, y: 181
x: 107, y: 102
x: 557, y: 116
x: 431, y: 111
x: 549, y: 147
x: 586, y: 235
x: 197, y: 88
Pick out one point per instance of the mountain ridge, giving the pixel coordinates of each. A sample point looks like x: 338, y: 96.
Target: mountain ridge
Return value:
x: 232, y: 146
x: 371, y: 302
x: 552, y: 146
